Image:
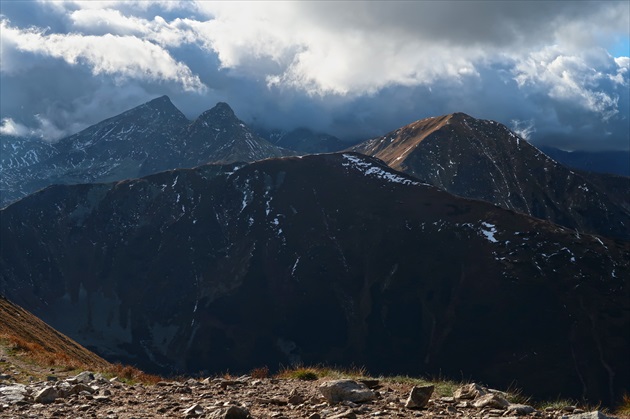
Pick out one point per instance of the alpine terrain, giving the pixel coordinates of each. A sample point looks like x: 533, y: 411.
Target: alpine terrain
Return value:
x: 274, y: 262
x: 483, y: 159
x: 150, y: 138
x: 47, y: 375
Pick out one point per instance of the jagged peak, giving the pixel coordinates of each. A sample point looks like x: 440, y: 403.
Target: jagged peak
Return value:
x: 163, y: 103
x: 459, y: 116
x: 220, y: 110
x: 164, y: 99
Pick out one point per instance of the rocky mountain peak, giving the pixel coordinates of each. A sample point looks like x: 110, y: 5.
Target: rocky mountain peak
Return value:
x: 221, y: 111
x: 483, y: 159
x: 162, y: 103
x: 459, y: 116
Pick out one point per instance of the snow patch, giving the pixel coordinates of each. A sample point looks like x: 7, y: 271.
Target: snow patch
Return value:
x: 489, y: 231
x: 371, y: 170
x: 295, y: 265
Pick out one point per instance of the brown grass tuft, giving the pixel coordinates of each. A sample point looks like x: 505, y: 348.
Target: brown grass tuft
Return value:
x: 624, y: 407
x: 132, y: 374
x: 262, y: 372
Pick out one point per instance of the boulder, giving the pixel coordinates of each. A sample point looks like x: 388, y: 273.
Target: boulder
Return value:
x: 295, y: 398
x: 193, y: 411
x: 419, y: 397
x: 346, y: 390
x: 232, y: 412
x: 47, y: 395
x: 491, y: 400
x: 78, y: 388
x: 470, y: 391
x: 13, y: 394
x: 519, y: 409
x: 84, y: 377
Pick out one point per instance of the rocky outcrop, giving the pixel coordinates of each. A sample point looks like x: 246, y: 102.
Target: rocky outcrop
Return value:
x: 212, y: 398
x: 419, y: 397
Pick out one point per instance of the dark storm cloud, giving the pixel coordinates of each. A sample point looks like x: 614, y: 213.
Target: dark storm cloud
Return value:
x: 354, y: 69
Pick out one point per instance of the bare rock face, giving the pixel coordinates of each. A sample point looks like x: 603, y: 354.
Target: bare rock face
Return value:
x: 346, y: 390
x: 419, y: 397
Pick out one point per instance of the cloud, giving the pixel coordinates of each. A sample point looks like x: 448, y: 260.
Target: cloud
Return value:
x: 354, y: 69
x: 124, y: 56
x: 45, y: 129
x: 9, y: 127
x: 361, y: 47
x: 524, y: 129
x: 573, y: 79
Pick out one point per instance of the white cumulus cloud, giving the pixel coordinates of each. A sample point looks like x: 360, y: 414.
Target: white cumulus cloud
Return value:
x: 577, y: 79
x: 124, y: 56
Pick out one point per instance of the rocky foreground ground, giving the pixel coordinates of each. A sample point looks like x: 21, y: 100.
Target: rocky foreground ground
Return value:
x: 89, y: 395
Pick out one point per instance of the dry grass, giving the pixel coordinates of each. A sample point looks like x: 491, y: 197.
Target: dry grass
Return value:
x: 39, y: 355
x: 443, y: 387
x: 262, y: 372
x: 623, y: 409
x: 30, y: 338
x: 36, y: 354
x: 38, y: 347
x: 132, y: 374
x: 316, y: 372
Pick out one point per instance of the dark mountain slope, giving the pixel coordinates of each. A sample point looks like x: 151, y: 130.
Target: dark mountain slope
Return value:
x: 328, y: 258
x: 484, y: 160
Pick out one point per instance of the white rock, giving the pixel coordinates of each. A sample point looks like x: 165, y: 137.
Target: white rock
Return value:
x: 346, y: 390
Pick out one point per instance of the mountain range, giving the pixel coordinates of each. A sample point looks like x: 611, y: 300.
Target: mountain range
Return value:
x: 275, y: 262
x: 483, y: 159
x: 448, y: 246
x: 466, y: 156
x: 147, y: 139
